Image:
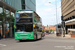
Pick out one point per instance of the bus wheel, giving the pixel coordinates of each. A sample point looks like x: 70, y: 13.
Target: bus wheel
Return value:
x: 20, y: 40
x: 35, y: 37
x: 41, y: 36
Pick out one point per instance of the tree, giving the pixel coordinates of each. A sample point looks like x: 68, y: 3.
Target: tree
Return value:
x: 10, y: 20
x: 2, y: 18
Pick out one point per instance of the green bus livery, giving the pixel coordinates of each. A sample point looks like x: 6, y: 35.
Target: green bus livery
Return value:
x: 27, y: 26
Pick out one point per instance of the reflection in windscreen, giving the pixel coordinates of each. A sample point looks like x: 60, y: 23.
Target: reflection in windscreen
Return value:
x: 23, y: 15
x: 24, y: 21
x: 26, y: 15
x: 23, y: 27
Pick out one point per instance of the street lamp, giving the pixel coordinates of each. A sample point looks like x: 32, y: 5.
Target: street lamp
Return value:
x: 57, y: 20
x: 56, y: 13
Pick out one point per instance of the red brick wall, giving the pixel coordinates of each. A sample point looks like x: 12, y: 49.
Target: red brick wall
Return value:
x: 73, y: 36
x: 50, y: 27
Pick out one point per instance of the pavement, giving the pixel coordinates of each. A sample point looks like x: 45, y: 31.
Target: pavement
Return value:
x: 66, y: 36
x: 46, y: 43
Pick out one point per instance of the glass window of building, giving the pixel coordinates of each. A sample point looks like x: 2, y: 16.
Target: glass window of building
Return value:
x: 30, y: 4
x: 23, y: 6
x: 7, y: 26
x: 1, y: 10
x: 7, y: 12
x: 5, y: 0
x: 8, y: 1
x: 12, y: 14
x: 23, y: 1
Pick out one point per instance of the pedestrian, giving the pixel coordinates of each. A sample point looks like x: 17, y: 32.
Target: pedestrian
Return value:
x: 45, y: 33
x: 0, y: 36
x: 65, y: 32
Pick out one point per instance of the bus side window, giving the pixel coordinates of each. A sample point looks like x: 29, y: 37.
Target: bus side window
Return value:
x: 39, y: 29
x: 40, y: 20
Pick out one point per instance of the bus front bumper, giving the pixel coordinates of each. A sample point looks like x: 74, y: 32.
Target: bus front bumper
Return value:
x: 24, y: 36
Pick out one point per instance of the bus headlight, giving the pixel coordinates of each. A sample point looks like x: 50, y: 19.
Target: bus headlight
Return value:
x: 16, y: 35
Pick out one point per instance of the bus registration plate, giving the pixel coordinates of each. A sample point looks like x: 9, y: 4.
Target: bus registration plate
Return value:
x: 23, y: 38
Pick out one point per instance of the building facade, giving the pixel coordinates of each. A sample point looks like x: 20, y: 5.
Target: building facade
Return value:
x: 12, y: 5
x: 30, y: 4
x: 52, y: 27
x: 68, y: 15
x: 20, y: 4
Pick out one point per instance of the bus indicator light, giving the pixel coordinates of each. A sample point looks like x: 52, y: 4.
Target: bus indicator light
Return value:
x: 34, y: 26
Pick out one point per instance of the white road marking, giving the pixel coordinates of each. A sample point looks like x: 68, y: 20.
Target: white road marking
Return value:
x: 2, y: 45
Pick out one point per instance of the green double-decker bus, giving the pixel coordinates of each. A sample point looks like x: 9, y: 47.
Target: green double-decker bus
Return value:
x: 27, y: 26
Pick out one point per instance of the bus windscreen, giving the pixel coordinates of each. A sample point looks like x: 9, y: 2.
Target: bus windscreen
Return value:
x: 24, y: 21
x: 24, y: 14
x: 24, y: 17
x: 25, y: 28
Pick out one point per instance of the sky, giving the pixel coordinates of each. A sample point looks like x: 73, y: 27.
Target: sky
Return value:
x: 46, y: 9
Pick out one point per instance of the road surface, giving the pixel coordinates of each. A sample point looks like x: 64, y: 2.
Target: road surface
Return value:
x: 47, y: 43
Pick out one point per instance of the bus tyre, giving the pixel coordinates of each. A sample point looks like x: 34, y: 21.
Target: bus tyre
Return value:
x: 20, y: 40
x: 35, y: 37
x: 41, y: 36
